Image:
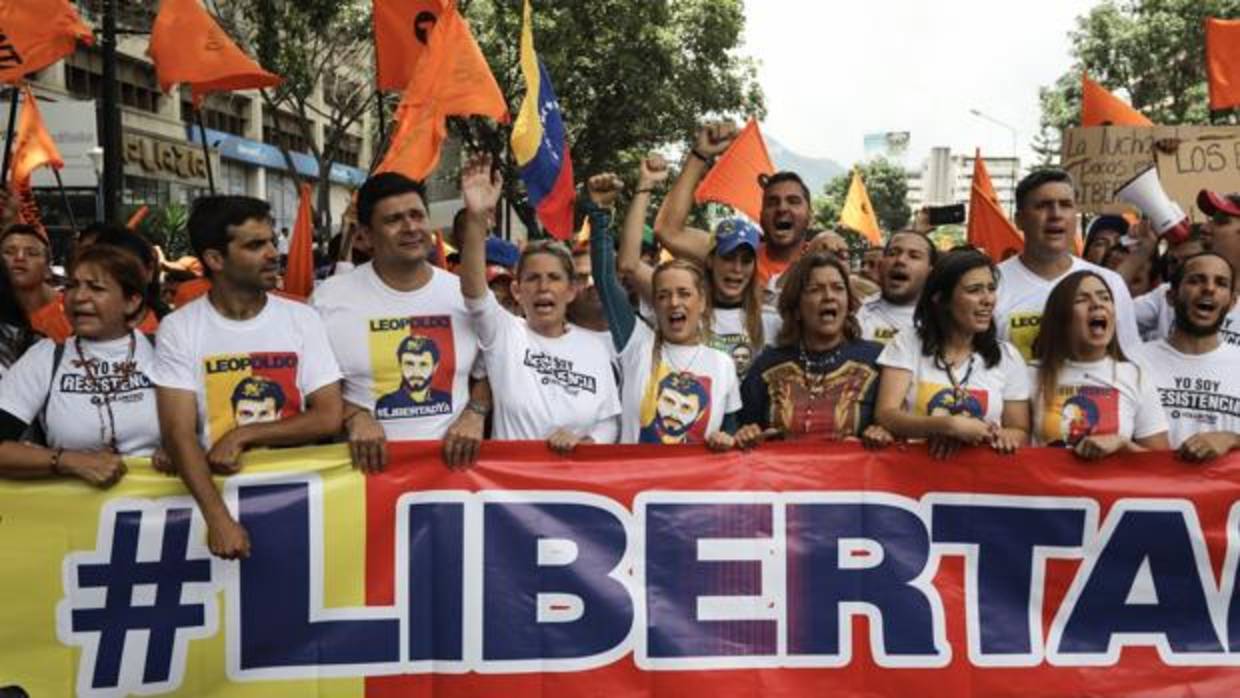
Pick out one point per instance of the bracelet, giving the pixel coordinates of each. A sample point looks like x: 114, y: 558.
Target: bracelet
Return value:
x: 55, y: 465
x: 648, y: 190
x: 694, y: 152
x: 479, y: 408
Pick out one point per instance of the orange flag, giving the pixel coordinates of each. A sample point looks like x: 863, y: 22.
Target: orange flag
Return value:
x: 36, y: 35
x: 452, y: 79
x: 858, y: 212
x: 138, y: 216
x: 734, y: 178
x: 1101, y: 108
x: 402, y: 34
x: 299, y: 275
x: 1223, y: 62
x: 989, y: 228
x: 32, y: 144
x: 189, y: 48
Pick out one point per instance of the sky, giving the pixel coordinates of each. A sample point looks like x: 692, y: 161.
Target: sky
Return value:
x: 835, y: 71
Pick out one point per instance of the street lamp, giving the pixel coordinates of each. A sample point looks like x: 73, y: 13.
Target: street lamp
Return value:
x: 96, y: 162
x: 1015, y: 157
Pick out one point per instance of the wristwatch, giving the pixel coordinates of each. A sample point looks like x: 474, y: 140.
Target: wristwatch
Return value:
x: 477, y: 407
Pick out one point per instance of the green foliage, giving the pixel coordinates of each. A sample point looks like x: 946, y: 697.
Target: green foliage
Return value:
x: 888, y: 189
x: 1153, y: 49
x: 630, y: 75
x: 166, y: 226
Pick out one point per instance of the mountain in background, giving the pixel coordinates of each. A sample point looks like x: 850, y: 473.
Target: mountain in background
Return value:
x: 816, y: 172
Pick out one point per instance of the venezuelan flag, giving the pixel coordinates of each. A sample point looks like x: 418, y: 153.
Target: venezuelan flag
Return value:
x: 540, y: 145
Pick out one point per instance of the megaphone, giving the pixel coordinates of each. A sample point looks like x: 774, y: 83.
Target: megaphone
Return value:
x: 1146, y: 193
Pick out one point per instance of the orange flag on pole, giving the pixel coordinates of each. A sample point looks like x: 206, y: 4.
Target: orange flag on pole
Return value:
x: 299, y: 274
x: 402, y: 35
x: 32, y: 144
x: 989, y: 228
x: 37, y: 34
x: 1223, y: 62
x: 189, y: 48
x: 452, y: 79
x: 858, y: 212
x: 1101, y: 108
x: 734, y: 178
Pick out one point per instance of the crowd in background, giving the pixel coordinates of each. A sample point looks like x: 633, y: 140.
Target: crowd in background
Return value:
x: 647, y: 330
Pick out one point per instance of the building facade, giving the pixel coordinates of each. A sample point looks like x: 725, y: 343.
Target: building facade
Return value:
x: 945, y: 178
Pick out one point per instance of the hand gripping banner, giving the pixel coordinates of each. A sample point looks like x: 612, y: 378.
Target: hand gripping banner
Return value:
x: 794, y: 570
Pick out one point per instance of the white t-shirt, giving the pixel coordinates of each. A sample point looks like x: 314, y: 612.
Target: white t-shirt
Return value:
x: 379, y: 334
x: 880, y: 320
x: 729, y: 335
x: 982, y: 390
x: 77, y: 416
x: 1156, y: 315
x: 541, y: 384
x: 683, y: 400
x: 244, y: 371
x: 1199, y: 392
x: 1022, y: 298
x: 1095, y: 399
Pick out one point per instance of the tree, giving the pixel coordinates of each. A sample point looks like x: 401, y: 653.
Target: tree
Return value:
x: 887, y: 186
x: 1152, y: 49
x: 630, y: 75
x: 323, y: 50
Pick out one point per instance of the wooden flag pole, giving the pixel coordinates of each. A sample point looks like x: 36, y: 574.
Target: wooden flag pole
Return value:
x: 64, y: 199
x: 8, y: 137
x: 206, y: 152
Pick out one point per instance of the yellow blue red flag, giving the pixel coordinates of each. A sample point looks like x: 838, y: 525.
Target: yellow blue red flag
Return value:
x: 541, y: 144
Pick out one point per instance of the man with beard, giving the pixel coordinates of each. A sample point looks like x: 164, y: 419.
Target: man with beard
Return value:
x: 681, y: 400
x: 785, y: 209
x: 1221, y: 234
x: 418, y: 357
x: 1194, y: 370
x: 903, y: 269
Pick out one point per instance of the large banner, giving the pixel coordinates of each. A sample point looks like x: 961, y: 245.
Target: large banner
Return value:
x: 793, y: 570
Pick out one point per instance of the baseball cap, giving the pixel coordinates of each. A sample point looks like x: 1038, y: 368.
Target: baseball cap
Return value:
x: 1109, y: 221
x: 731, y: 233
x: 1211, y: 203
x: 502, y: 252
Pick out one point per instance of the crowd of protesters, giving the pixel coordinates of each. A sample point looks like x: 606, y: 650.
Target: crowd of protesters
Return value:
x: 730, y: 338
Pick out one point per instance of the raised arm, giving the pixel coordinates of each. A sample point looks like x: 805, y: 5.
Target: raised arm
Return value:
x: 653, y: 172
x: 669, y: 224
x: 480, y: 188
x: 615, y: 300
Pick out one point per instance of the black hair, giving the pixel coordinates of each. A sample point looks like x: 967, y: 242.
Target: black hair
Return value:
x: 1037, y: 178
x: 767, y: 182
x: 380, y: 187
x: 1177, y: 275
x: 15, y: 333
x: 932, y: 316
x: 212, y: 216
x: 934, y: 251
x: 141, y: 248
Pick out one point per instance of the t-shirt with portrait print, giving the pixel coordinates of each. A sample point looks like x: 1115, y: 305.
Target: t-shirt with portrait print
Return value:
x: 102, y: 389
x: 682, y: 399
x: 541, y: 384
x: 405, y: 355
x: 977, y: 391
x: 1022, y: 298
x: 244, y: 371
x: 1096, y: 398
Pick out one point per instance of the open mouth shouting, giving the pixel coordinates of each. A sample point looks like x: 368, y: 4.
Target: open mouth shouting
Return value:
x: 1098, y: 325
x: 678, y: 321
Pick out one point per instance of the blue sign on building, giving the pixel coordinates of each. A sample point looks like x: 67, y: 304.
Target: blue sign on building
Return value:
x: 245, y: 150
